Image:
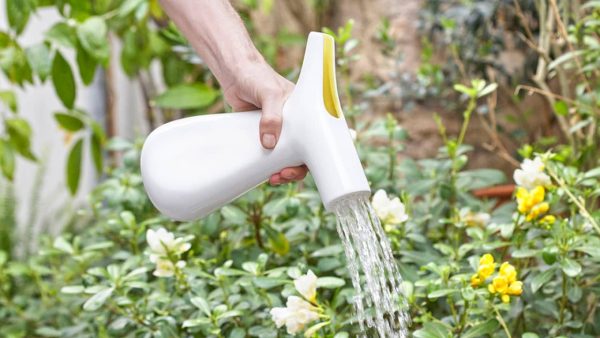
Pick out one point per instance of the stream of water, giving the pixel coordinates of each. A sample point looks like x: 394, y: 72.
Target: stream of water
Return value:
x: 381, y: 309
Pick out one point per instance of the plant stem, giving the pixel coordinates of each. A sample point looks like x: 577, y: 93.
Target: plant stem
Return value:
x: 578, y: 202
x: 392, y: 155
x: 502, y: 322
x: 563, y: 300
x: 467, y: 115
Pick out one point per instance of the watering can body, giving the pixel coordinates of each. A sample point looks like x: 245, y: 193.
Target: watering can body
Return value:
x: 193, y: 166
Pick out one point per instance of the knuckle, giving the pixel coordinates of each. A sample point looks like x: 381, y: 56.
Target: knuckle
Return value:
x: 271, y: 121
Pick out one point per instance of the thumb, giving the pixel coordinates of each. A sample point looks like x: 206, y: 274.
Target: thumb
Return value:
x: 270, y: 122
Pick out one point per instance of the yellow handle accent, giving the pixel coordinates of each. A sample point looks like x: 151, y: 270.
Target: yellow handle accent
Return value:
x: 330, y: 94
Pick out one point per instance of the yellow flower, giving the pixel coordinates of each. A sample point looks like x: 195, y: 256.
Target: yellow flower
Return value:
x: 485, y: 269
x: 505, y: 283
x: 486, y: 266
x: 515, y: 288
x: 531, y: 203
x: 486, y: 259
x: 538, y: 210
x: 508, y: 271
x: 548, y: 219
x: 499, y: 285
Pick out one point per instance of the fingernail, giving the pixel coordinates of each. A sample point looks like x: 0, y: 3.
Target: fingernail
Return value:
x: 268, y: 140
x: 288, y: 174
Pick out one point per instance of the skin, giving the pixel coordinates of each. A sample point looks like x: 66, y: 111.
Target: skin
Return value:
x: 218, y: 35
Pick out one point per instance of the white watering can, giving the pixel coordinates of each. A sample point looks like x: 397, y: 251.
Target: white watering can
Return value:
x: 193, y: 166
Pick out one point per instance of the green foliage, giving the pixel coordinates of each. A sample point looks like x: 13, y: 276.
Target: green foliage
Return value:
x: 87, y: 30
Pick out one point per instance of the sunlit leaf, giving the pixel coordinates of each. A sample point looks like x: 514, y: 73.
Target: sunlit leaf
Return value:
x: 187, y: 97
x: 92, y: 34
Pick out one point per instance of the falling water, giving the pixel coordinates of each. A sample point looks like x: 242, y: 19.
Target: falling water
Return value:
x: 379, y: 303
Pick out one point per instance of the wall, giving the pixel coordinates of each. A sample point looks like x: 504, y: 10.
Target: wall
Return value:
x: 43, y: 202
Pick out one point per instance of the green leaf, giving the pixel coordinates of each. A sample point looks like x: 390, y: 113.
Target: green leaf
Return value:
x: 561, y: 108
x: 278, y: 242
x: 69, y: 122
x: 9, y: 99
x: 432, y: 330
x: 74, y: 167
x: 251, y: 267
x: 229, y: 314
x: 18, y: 12
x: 92, y: 34
x: 481, y: 329
x: 40, y: 60
x: 62, y: 78
x: 97, y: 300
x: 590, y: 250
x: 313, y: 329
x: 440, y: 293
x: 332, y: 250
x: 19, y: 131
x: 193, y: 96
x: 63, y: 35
x: 465, y: 90
x: 566, y: 57
x: 129, y: 6
x: 330, y: 282
x: 60, y: 243
x: 540, y: 279
x: 267, y: 282
x: 14, y: 63
x: 87, y: 65
x: 46, y: 331
x: 529, y: 335
x: 195, y: 322
x: 201, y: 304
x: 7, y: 160
x: 487, y: 89
x: 237, y: 332
x: 570, y: 267
x: 574, y: 293
x: 233, y: 214
x: 524, y: 253
x: 72, y: 289
x: 98, y: 138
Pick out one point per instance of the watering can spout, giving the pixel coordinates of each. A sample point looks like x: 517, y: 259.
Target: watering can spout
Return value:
x: 193, y: 166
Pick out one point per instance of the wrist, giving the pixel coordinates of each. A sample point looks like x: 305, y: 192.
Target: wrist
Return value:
x: 240, y: 66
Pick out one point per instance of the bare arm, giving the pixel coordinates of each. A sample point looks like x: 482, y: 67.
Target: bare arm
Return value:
x: 218, y: 35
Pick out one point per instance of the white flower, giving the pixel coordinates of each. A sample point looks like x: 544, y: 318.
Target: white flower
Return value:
x: 307, y: 286
x: 166, y: 268
x: 531, y: 174
x: 471, y: 218
x: 163, y: 243
x: 353, y: 134
x: 390, y: 211
x: 295, y: 315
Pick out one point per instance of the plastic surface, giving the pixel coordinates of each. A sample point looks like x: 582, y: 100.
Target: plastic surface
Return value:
x: 193, y: 166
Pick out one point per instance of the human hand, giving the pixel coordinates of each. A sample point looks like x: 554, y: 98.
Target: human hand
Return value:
x: 258, y: 86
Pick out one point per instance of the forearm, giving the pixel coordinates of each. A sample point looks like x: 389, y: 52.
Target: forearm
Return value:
x: 217, y: 34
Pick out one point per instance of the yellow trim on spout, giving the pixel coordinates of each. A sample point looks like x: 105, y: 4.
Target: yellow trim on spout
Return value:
x: 330, y: 94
